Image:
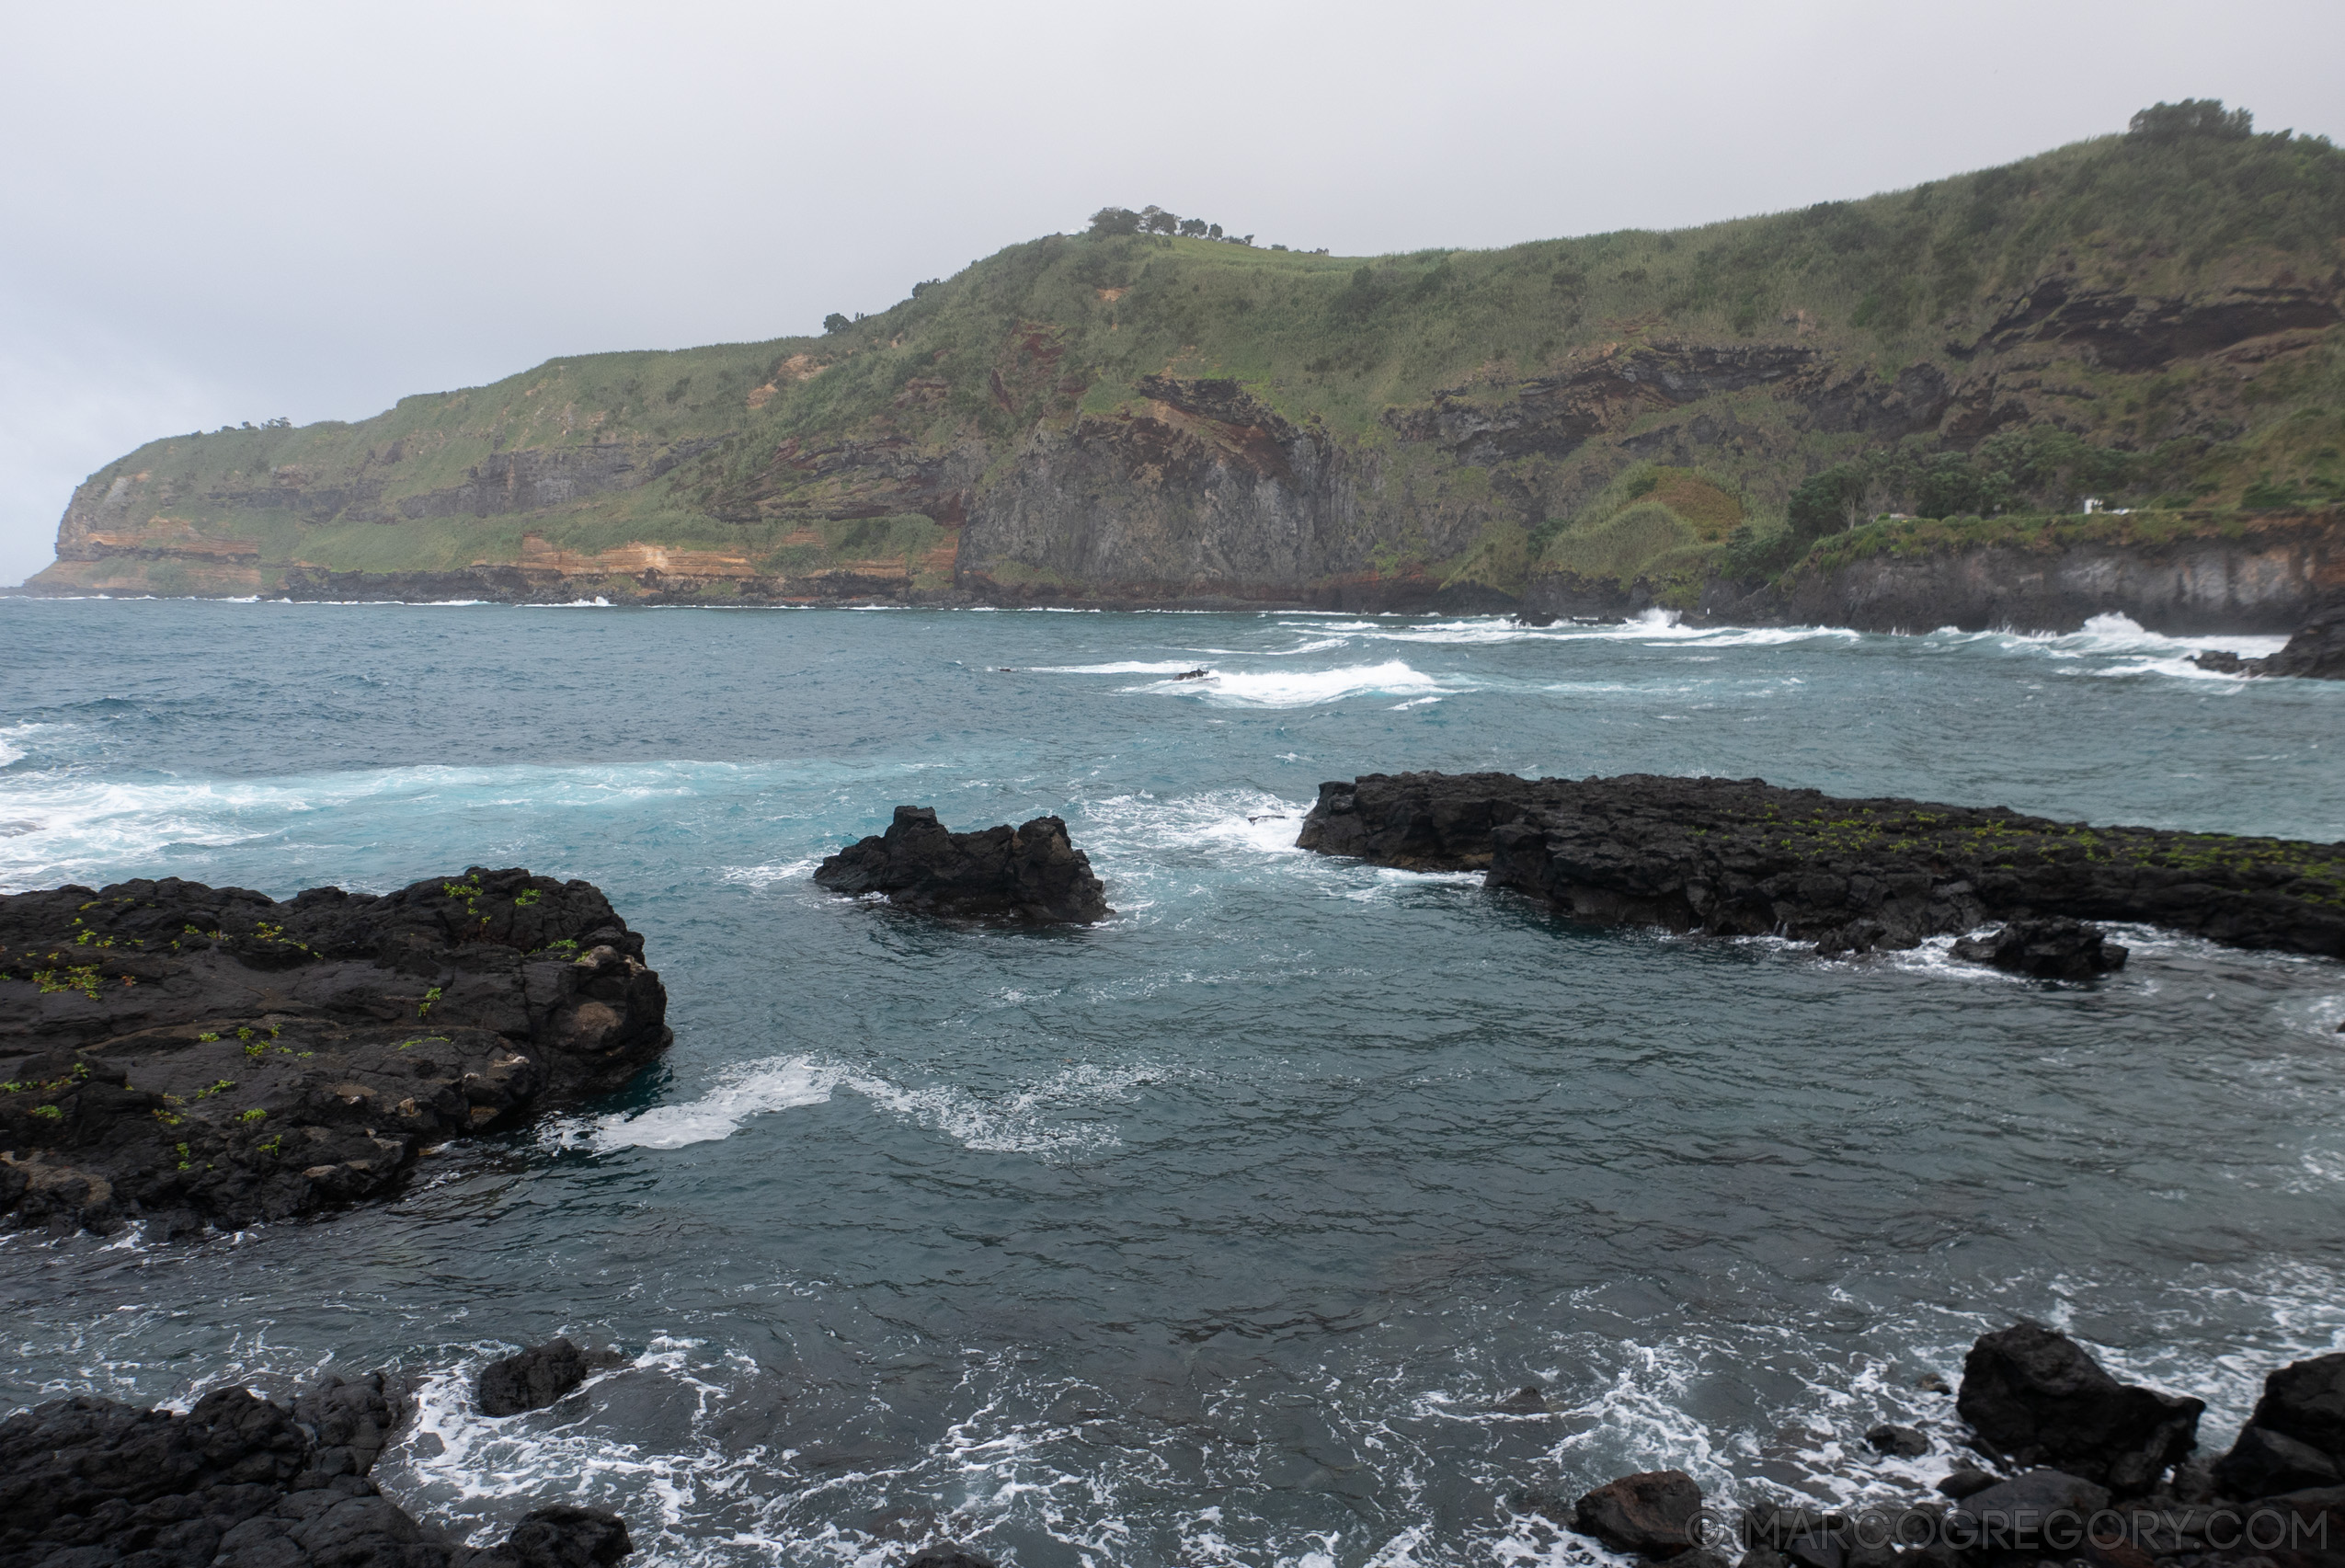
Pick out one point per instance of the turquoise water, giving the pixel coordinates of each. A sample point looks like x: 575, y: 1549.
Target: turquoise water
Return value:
x: 1209, y: 1234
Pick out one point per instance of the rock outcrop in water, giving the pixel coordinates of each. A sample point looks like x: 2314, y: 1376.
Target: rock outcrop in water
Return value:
x: 1742, y: 857
x: 531, y: 1378
x: 2052, y: 949
x: 2035, y: 1397
x: 1031, y: 875
x: 182, y: 1053
x: 2315, y: 651
x: 241, y: 1483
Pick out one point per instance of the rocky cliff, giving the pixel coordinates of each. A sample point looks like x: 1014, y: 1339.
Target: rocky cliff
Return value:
x: 1602, y: 422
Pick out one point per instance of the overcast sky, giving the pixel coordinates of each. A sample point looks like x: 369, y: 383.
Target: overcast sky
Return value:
x: 231, y: 211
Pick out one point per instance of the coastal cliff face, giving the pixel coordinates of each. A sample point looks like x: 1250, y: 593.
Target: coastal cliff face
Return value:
x: 2261, y: 574
x: 1584, y: 424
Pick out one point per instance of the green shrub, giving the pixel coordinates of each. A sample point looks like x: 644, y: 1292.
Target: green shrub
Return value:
x: 1619, y: 546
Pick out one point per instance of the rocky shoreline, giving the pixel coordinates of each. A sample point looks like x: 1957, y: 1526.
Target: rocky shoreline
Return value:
x: 1741, y: 857
x: 240, y: 1482
x: 2061, y: 1464
x: 184, y: 1055
x: 2056, y: 1461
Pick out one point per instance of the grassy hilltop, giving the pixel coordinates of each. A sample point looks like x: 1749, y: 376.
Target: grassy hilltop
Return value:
x: 2149, y: 318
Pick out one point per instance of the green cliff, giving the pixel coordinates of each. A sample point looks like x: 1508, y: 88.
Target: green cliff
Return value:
x: 2148, y: 319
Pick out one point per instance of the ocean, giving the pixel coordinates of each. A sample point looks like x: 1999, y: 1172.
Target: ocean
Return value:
x: 1214, y: 1232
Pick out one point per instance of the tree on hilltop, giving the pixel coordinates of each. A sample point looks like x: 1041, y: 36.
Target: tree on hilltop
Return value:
x: 2191, y: 117
x: 1115, y: 220
x: 834, y: 322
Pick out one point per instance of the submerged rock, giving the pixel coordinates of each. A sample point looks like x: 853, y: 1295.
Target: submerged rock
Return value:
x: 1528, y: 1400
x: 1742, y: 857
x: 237, y: 1480
x: 2052, y: 949
x: 1902, y: 1442
x: 2036, y: 1397
x: 531, y: 1378
x: 182, y: 1053
x: 1031, y: 874
x: 946, y: 1555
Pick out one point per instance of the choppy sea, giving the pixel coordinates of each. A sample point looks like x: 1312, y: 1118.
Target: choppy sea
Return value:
x: 1211, y: 1234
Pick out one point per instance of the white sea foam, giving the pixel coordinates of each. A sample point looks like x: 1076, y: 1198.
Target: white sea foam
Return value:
x: 764, y: 876
x: 1771, y: 636
x: 1126, y: 666
x: 759, y: 1090
x: 1307, y: 688
x: 1233, y: 827
x: 67, y: 826
x: 1032, y: 1119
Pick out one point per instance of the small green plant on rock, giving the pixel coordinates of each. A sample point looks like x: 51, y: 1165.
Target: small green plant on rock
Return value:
x: 48, y: 1112
x: 255, y: 1114
x: 83, y: 980
x: 428, y: 997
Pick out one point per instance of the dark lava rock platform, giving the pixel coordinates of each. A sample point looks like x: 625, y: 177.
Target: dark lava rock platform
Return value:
x: 1030, y: 874
x: 183, y: 1054
x: 241, y: 1483
x: 1742, y: 857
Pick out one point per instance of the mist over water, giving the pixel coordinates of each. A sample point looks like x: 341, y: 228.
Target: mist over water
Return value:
x: 1210, y: 1234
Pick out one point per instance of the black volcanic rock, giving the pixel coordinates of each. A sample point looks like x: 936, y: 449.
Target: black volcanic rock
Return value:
x: 2295, y: 1439
x: 2051, y: 949
x: 2265, y: 1463
x: 182, y: 1053
x: 2039, y: 1511
x: 2306, y: 1400
x: 239, y: 1481
x: 1741, y: 857
x: 1030, y: 873
x: 531, y: 1378
x: 1905, y: 1442
x: 2035, y: 1397
x: 348, y: 1419
x: 2315, y: 651
x: 1657, y: 1514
